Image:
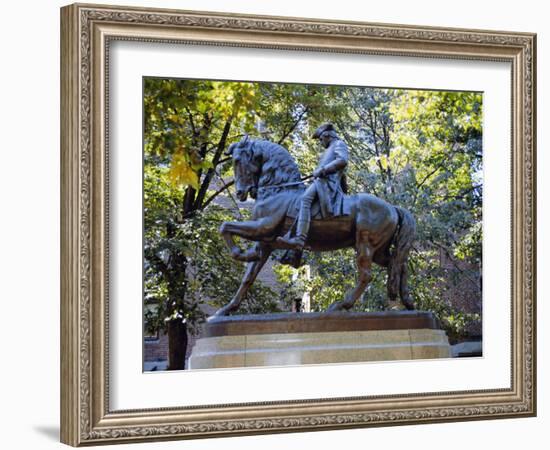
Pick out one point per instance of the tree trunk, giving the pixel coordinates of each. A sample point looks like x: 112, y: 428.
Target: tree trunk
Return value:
x: 177, y: 344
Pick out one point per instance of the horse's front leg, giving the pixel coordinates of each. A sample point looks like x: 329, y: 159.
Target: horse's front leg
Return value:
x: 254, y: 230
x: 252, y: 271
x: 236, y: 252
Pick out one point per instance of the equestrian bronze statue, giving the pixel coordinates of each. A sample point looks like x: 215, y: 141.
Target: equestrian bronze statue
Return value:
x: 287, y: 214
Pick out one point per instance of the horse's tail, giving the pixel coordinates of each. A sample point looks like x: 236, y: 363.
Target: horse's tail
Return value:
x: 397, y: 269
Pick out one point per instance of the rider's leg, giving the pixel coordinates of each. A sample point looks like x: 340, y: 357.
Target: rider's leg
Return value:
x: 304, y: 219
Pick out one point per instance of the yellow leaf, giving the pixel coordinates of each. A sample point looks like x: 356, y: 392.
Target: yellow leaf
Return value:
x: 181, y: 173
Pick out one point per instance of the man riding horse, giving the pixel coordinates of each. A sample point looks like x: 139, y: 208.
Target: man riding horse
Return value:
x: 379, y: 232
x: 328, y: 186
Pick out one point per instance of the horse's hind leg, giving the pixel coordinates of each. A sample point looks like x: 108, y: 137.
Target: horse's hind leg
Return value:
x: 404, y: 288
x: 394, y: 277
x: 364, y: 267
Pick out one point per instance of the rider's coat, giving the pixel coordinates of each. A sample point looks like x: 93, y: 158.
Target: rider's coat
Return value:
x: 329, y: 187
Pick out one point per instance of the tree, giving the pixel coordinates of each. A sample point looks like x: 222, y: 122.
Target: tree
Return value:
x: 418, y: 149
x: 421, y: 150
x: 187, y: 127
x: 441, y: 134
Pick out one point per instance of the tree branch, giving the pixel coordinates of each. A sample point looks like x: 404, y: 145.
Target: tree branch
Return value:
x: 230, y: 195
x: 224, y: 160
x: 215, y: 160
x: 459, y: 195
x: 218, y: 192
x: 294, y: 125
x: 191, y: 120
x: 442, y: 163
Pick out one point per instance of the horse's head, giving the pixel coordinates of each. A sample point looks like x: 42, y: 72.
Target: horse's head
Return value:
x: 246, y: 168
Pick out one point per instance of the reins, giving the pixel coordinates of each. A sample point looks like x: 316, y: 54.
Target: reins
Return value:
x: 295, y: 183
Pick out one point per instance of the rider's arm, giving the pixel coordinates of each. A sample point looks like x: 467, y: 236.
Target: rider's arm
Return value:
x: 340, y: 161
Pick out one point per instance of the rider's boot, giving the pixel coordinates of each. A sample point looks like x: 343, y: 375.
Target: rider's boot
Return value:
x: 299, y: 241
x: 295, y: 242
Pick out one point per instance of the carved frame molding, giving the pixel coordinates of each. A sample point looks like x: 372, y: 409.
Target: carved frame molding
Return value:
x: 86, y: 32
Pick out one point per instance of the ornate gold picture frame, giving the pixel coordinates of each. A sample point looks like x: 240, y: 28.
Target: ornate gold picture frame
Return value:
x: 87, y: 32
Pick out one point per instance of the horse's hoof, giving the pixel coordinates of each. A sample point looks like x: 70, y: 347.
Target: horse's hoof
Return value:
x: 409, y: 306
x: 219, y: 313
x: 336, y: 306
x: 251, y: 256
x: 237, y: 254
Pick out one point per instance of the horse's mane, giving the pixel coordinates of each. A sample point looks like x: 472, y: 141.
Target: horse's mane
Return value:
x: 278, y: 168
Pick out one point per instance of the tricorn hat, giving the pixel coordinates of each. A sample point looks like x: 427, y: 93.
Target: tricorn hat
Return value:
x: 325, y: 127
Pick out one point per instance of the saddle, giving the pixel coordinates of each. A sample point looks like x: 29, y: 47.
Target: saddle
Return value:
x: 316, y: 214
x: 293, y: 257
x: 294, y: 210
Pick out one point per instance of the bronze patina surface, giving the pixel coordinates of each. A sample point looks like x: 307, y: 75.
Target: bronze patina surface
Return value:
x: 293, y: 215
x: 318, y: 322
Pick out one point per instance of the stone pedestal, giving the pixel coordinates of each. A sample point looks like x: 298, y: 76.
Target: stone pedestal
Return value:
x: 318, y: 338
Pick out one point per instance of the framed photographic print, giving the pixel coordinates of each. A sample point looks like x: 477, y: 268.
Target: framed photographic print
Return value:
x: 276, y: 224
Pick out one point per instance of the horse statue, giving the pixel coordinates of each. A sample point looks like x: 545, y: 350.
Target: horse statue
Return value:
x: 379, y: 232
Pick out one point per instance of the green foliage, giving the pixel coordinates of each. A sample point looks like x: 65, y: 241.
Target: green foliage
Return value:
x: 166, y: 245
x: 419, y: 149
x: 188, y: 125
x: 334, y: 274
